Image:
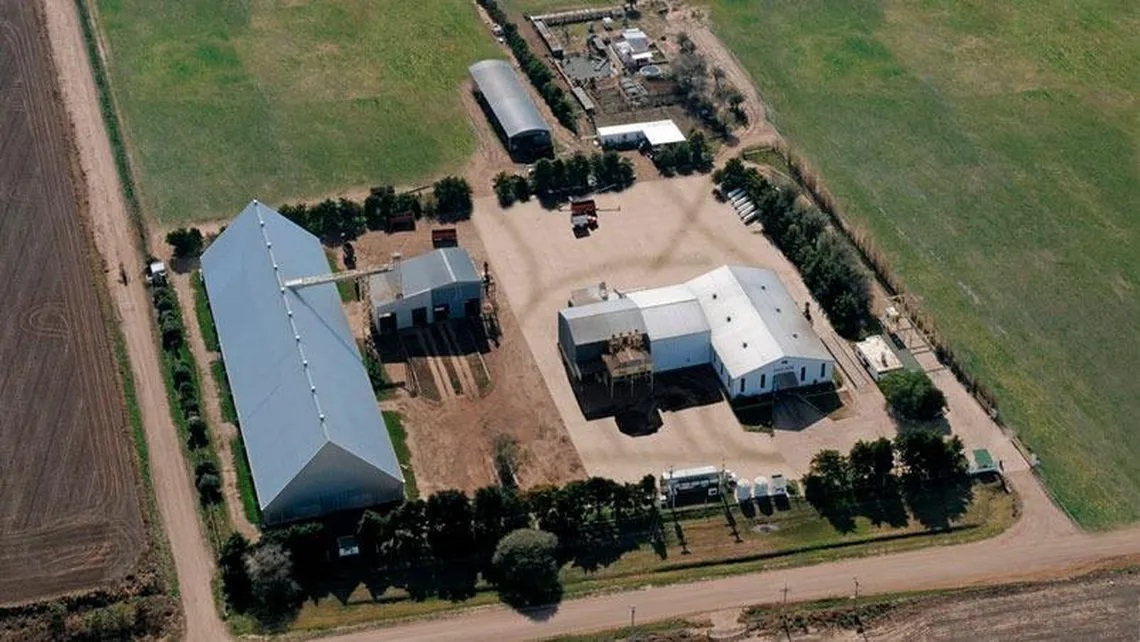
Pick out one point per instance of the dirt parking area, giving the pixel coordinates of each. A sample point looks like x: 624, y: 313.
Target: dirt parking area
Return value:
x: 70, y: 517
x: 455, y: 421
x: 668, y: 231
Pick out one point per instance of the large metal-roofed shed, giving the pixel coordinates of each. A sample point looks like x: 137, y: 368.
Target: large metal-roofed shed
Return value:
x: 585, y: 333
x: 435, y: 286
x: 761, y: 341
x: 517, y: 116
x: 314, y: 435
x: 679, y: 335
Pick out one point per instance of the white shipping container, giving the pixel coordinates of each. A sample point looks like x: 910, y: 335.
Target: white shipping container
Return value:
x: 779, y: 484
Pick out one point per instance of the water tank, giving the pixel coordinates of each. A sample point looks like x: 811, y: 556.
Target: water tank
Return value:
x: 743, y: 491
x: 760, y: 487
x: 779, y: 485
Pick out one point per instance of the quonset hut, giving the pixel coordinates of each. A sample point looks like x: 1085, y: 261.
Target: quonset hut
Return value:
x: 739, y: 320
x: 518, y: 118
x: 314, y: 435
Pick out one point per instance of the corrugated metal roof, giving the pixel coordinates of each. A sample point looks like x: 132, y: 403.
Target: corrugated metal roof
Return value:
x: 600, y: 321
x: 753, y: 319
x: 509, y: 100
x: 424, y: 272
x: 671, y: 311
x: 656, y: 132
x: 293, y: 366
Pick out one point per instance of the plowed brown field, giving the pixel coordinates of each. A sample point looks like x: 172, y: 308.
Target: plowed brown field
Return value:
x: 69, y: 506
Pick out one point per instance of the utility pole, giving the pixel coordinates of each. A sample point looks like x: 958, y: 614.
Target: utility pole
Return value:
x: 632, y: 611
x: 784, y: 613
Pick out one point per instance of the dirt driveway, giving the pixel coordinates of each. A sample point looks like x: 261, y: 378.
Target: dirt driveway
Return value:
x: 117, y: 242
x: 669, y: 231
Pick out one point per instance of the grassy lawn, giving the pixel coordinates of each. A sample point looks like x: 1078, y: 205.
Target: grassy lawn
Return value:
x: 225, y: 101
x: 225, y: 396
x: 399, y: 438
x: 202, y: 311
x: 245, y: 482
x: 991, y: 150
x: 801, y: 537
x: 346, y: 289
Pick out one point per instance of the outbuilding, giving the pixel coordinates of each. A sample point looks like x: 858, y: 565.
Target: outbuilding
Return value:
x: 518, y: 118
x: 653, y: 133
x: 877, y: 356
x: 432, y: 287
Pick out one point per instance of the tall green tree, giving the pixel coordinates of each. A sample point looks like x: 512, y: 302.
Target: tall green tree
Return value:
x: 504, y: 189
x: 929, y: 458
x: 187, y: 243
x: 912, y: 395
x: 449, y: 531
x: 872, y: 466
x: 275, y: 593
x: 452, y: 197
x: 496, y: 511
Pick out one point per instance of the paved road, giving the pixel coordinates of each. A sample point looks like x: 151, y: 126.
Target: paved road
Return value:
x: 117, y: 242
x: 1039, y: 545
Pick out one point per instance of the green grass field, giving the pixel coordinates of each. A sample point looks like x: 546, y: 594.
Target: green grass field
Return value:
x: 991, y: 149
x: 227, y: 101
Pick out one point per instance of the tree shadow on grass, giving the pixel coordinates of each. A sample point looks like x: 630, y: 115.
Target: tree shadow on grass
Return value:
x: 935, y: 507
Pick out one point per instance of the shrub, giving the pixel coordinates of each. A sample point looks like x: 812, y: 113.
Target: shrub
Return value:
x: 187, y: 243
x: 526, y: 570
x: 912, y: 395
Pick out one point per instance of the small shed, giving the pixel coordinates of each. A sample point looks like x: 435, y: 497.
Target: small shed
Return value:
x: 983, y: 462
x: 877, y: 356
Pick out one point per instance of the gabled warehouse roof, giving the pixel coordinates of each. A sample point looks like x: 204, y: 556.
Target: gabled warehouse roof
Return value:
x: 671, y: 311
x: 600, y: 321
x: 303, y: 398
x: 508, y: 99
x: 425, y: 272
x: 753, y: 319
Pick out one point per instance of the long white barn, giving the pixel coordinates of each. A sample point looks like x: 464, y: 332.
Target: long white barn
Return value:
x: 741, y: 321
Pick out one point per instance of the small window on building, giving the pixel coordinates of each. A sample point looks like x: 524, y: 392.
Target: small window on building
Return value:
x: 742, y: 385
x: 762, y: 378
x: 822, y: 370
x: 803, y: 373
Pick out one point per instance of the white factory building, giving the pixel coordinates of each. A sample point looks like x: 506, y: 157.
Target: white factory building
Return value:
x: 741, y: 321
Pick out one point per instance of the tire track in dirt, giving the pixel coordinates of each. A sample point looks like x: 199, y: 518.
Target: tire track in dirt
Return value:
x: 115, y: 237
x: 71, y: 518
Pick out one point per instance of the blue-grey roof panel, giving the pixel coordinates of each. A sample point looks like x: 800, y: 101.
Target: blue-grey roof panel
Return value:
x: 509, y: 100
x: 290, y: 355
x: 599, y: 321
x: 435, y: 269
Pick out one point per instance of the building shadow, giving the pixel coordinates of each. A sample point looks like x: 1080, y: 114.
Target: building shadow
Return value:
x: 637, y: 405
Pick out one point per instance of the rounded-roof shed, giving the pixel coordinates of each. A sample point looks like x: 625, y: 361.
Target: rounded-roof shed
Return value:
x: 508, y: 99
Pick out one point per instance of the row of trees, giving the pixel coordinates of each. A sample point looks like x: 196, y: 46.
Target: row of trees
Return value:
x: 920, y: 466
x: 510, y: 188
x: 539, y: 74
x: 180, y: 364
x: 560, y: 178
x: 685, y: 157
x: 714, y: 105
x: 441, y: 546
x: 829, y: 266
x: 344, y: 219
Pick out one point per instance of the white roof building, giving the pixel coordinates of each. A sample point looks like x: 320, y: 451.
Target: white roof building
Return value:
x: 656, y: 133
x: 740, y: 320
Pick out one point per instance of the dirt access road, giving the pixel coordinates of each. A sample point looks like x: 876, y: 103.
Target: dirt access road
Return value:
x: 117, y: 242
x: 1041, y: 545
x: 70, y: 517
